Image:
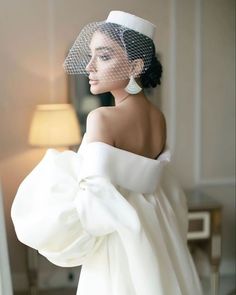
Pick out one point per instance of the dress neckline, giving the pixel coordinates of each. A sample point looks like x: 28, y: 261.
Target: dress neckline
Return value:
x: 165, y: 154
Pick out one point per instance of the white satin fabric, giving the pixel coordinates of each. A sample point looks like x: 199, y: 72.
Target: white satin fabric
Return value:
x: 123, y: 217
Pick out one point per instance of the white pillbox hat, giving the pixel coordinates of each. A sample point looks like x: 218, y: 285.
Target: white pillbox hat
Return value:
x: 132, y: 22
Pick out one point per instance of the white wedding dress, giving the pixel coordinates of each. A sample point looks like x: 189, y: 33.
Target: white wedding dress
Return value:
x: 122, y: 216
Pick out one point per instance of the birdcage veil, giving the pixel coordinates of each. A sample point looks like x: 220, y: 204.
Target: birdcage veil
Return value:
x: 115, y: 43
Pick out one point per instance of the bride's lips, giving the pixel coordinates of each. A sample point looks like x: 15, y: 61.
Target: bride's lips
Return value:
x: 93, y: 82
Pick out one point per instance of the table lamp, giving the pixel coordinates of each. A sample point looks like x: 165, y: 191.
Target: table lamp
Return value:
x: 54, y: 125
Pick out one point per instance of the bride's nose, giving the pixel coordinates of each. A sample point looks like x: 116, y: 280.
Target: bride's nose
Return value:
x: 91, y: 67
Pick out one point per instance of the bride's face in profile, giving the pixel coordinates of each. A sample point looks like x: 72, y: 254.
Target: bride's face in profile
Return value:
x: 109, y: 67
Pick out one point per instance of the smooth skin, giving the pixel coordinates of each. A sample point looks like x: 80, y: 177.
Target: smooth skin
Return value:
x: 134, y: 124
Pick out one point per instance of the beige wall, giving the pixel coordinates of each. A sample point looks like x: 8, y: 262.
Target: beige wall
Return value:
x: 195, y: 40
x: 202, y: 106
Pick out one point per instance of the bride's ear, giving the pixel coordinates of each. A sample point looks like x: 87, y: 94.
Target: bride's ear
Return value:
x: 136, y: 67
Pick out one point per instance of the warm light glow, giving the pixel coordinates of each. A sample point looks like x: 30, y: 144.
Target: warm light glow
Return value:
x: 54, y: 125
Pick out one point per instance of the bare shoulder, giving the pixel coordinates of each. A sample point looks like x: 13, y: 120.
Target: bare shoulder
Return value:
x: 159, y: 129
x: 98, y: 127
x: 158, y: 116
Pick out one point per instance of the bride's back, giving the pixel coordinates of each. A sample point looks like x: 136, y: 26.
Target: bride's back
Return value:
x: 137, y: 126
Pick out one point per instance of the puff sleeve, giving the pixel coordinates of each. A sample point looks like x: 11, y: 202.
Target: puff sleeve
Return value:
x: 64, y: 215
x: 44, y: 211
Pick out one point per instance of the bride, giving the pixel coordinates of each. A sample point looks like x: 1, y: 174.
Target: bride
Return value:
x: 113, y: 207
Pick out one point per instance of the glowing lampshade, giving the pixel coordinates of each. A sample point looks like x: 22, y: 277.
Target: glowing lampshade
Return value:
x: 54, y: 125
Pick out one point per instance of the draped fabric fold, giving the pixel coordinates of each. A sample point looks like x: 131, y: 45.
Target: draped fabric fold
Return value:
x: 107, y: 210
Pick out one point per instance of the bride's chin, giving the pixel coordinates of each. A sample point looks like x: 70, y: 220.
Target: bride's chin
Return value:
x: 99, y: 89
x: 95, y: 90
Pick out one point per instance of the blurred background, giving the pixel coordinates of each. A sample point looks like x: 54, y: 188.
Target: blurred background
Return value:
x: 196, y: 43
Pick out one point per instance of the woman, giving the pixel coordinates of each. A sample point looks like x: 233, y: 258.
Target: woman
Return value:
x: 107, y: 207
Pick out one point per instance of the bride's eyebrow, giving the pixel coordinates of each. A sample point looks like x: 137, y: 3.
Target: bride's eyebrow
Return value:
x: 104, y: 48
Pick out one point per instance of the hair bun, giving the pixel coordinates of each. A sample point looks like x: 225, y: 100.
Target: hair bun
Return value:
x: 152, y: 77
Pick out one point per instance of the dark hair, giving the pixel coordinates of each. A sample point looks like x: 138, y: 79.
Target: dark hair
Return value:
x: 151, y: 76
